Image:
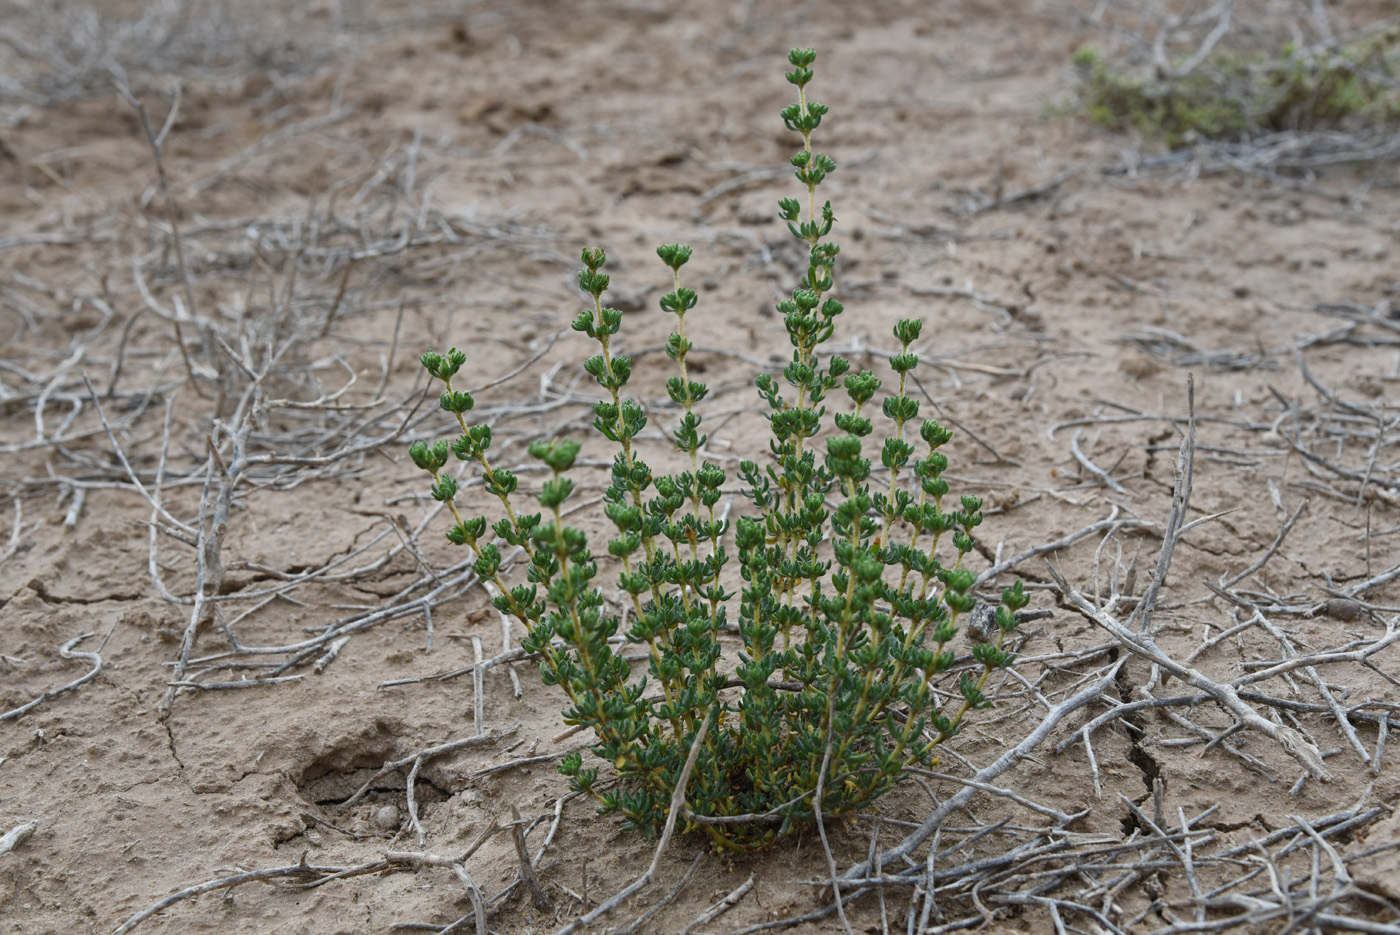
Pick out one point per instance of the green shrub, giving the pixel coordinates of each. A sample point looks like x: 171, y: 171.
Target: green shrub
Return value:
x: 1230, y: 94
x: 846, y: 614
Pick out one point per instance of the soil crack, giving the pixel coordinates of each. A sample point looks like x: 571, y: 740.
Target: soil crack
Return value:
x: 1256, y: 821
x: 1153, y: 449
x: 42, y: 592
x: 170, y: 744
x: 1135, y: 729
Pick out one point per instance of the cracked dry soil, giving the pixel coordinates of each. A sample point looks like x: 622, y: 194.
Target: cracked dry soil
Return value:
x: 628, y: 125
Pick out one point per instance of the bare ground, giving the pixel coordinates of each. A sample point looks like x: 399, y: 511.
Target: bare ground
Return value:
x: 354, y: 185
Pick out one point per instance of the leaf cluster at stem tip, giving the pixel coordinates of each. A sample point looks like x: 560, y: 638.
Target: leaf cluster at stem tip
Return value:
x: 846, y: 596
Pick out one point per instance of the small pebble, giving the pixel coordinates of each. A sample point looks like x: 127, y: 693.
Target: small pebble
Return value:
x: 1339, y: 608
x: 386, y: 818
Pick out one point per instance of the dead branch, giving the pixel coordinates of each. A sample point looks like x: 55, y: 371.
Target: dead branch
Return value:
x: 311, y: 875
x: 721, y: 907
x: 1142, y: 644
x: 16, y: 836
x: 67, y: 652
x: 677, y: 803
x: 1010, y: 758
x: 459, y: 867
x: 428, y: 753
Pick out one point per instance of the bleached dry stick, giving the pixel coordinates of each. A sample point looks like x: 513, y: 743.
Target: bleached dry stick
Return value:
x: 510, y: 655
x: 1141, y: 616
x: 1010, y: 758
x: 66, y: 651
x: 478, y: 714
x: 411, y: 800
x: 329, y: 655
x: 1227, y: 583
x: 13, y: 546
x: 527, y: 866
x: 1208, y: 44
x: 1323, y: 691
x: 721, y: 907
x: 666, y: 900
x: 428, y: 753
x: 459, y: 867
x: 677, y: 803
x: 817, y: 807
x: 1093, y: 468
x: 17, y: 836
x: 156, y: 143
x: 1142, y: 644
x: 202, y: 589
x: 515, y: 686
x: 1108, y: 522
x: 186, y: 531
x: 317, y: 874
x: 1059, y: 816
x: 1392, y: 634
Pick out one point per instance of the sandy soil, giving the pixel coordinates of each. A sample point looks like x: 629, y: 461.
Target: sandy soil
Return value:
x: 461, y: 160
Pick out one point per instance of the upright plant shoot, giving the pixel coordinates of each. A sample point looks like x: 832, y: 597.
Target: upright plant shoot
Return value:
x: 849, y: 591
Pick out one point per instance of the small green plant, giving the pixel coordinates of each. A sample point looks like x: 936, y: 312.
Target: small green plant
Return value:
x: 846, y: 612
x: 1231, y: 94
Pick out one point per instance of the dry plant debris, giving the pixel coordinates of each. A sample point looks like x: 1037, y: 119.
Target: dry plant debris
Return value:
x: 222, y: 617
